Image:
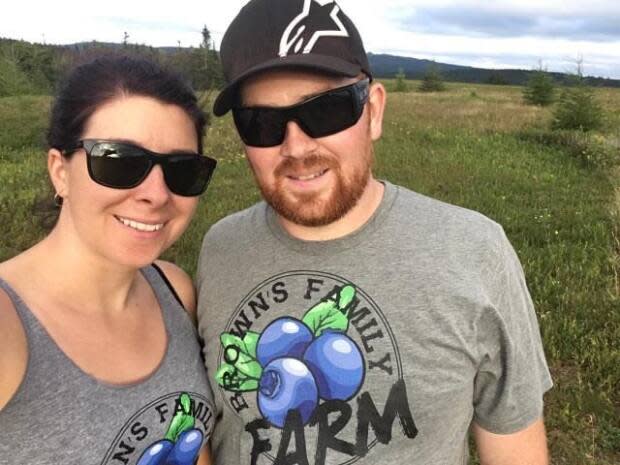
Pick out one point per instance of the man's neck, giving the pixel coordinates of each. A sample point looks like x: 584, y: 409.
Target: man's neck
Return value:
x: 353, y: 220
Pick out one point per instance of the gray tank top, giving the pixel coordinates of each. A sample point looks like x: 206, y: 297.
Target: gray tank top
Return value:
x: 61, y: 415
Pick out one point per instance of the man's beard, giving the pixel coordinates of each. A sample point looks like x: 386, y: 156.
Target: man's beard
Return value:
x: 309, y: 209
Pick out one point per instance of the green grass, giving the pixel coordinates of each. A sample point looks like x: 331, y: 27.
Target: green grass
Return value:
x: 471, y: 146
x: 24, y: 121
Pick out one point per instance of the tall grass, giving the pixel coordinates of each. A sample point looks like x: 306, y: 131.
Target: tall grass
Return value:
x: 472, y: 146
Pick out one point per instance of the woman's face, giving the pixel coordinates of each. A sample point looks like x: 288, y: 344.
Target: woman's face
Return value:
x: 131, y: 227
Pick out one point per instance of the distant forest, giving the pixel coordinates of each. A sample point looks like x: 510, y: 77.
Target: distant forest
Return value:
x: 413, y: 68
x: 31, y: 68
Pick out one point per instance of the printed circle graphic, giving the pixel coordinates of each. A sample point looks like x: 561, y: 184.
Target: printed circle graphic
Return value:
x: 142, y: 435
x: 342, y: 344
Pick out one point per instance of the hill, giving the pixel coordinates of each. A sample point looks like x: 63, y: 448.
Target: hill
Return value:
x: 386, y: 66
x: 32, y: 68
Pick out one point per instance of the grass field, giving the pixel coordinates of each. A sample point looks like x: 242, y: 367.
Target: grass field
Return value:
x: 475, y: 146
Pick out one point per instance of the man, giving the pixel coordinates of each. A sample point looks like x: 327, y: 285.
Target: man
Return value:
x: 346, y: 319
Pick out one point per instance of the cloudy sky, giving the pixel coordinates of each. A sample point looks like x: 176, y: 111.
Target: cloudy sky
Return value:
x: 500, y: 34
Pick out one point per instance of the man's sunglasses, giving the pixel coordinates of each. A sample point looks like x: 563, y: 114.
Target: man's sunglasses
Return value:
x: 319, y: 116
x: 122, y: 165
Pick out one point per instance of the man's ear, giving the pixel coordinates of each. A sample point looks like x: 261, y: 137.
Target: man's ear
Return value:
x: 376, y: 103
x: 57, y: 169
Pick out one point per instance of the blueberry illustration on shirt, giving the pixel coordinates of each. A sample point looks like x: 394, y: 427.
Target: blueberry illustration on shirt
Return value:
x: 295, y: 364
x: 181, y: 443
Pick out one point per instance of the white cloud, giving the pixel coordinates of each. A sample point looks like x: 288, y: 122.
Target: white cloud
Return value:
x: 380, y: 24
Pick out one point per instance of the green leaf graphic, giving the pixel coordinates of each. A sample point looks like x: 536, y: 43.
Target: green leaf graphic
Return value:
x: 247, y: 345
x: 228, y: 339
x: 248, y: 385
x: 186, y: 403
x: 347, y: 293
x: 329, y: 314
x: 232, y: 379
x: 240, y: 370
x: 250, y: 340
x: 182, y: 420
x: 325, y: 315
x: 249, y: 366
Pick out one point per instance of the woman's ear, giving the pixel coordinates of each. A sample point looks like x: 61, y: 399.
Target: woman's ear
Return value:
x: 57, y: 169
x: 376, y: 102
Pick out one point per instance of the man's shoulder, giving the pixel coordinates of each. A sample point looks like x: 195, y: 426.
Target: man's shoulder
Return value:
x: 422, y: 208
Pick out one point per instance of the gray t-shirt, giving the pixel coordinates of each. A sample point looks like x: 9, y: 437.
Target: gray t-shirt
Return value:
x: 381, y: 346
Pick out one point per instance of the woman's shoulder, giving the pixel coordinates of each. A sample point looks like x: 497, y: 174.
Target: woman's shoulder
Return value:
x: 182, y: 284
x: 13, y: 349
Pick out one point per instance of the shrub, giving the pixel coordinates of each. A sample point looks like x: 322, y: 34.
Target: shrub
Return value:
x: 593, y: 150
x: 400, y: 85
x: 13, y: 81
x: 432, y: 80
x: 540, y: 89
x: 497, y: 79
x: 578, y: 108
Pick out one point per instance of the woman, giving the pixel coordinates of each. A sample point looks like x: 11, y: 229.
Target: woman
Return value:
x: 99, y: 361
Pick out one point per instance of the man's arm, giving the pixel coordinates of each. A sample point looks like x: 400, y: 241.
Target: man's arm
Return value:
x: 525, y: 447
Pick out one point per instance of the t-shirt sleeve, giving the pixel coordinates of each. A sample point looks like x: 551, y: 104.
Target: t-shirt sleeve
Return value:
x: 512, y: 373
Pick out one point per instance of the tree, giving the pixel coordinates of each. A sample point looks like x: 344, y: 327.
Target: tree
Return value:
x: 577, y: 107
x: 497, y: 79
x: 432, y: 80
x: 401, y: 84
x: 13, y: 81
x: 540, y: 88
x: 27, y: 68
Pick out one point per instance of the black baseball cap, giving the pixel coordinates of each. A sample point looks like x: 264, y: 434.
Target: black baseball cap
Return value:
x: 270, y: 34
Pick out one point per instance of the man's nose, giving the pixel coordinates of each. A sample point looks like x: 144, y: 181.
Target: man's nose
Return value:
x: 296, y: 142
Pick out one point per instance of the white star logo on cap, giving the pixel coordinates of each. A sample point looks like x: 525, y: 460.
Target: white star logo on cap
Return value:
x: 296, y: 37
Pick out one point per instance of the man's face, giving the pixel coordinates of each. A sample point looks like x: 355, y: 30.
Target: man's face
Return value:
x: 308, y: 181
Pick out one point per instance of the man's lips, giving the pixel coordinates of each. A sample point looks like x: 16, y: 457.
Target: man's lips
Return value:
x: 307, y: 176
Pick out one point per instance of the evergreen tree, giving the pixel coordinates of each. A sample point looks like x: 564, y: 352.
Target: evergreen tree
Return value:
x: 577, y: 106
x: 540, y: 88
x: 432, y: 80
x: 497, y: 79
x: 400, y: 85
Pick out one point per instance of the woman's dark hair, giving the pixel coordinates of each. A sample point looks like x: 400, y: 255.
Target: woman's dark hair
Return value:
x: 99, y: 81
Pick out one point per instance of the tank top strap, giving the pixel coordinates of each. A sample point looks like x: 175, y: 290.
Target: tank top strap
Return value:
x: 173, y: 312
x: 32, y: 327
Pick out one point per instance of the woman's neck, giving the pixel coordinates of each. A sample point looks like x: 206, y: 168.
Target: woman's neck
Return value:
x: 70, y: 272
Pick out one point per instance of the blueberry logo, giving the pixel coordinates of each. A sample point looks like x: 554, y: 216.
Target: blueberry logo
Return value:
x: 309, y: 361
x: 169, y: 430
x: 337, y: 364
x: 293, y: 364
x: 181, y: 444
x: 283, y: 337
x: 287, y: 384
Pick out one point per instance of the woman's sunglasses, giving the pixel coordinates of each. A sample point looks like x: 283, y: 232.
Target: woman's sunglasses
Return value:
x: 122, y: 166
x: 319, y: 116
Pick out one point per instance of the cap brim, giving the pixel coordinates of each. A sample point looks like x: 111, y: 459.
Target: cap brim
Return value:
x: 321, y: 63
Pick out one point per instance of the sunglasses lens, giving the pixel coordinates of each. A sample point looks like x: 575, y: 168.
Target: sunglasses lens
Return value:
x: 321, y: 116
x: 260, y: 127
x: 328, y: 114
x: 188, y: 175
x: 123, y: 166
x: 117, y: 165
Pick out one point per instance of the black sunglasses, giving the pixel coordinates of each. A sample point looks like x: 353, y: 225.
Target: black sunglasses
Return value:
x: 122, y: 165
x: 319, y: 116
